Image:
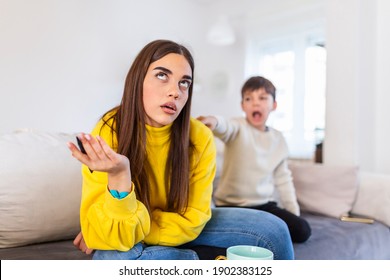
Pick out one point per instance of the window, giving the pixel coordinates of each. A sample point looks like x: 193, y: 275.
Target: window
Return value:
x: 297, y: 67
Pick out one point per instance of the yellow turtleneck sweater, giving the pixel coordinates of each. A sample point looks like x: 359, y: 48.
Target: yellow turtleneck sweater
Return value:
x: 108, y: 223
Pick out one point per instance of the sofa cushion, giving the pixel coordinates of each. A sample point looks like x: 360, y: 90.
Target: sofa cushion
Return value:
x: 56, y: 250
x: 40, y: 188
x: 373, y: 199
x: 332, y: 239
x: 326, y: 190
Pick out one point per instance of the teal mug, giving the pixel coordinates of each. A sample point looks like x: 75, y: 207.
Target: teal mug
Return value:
x: 247, y: 252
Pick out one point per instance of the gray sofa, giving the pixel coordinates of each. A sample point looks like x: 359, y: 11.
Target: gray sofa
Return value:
x: 333, y: 239
x: 40, y: 196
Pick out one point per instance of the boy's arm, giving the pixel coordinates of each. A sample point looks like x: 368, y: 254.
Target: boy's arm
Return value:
x: 285, y: 187
x: 209, y: 121
x: 221, y: 128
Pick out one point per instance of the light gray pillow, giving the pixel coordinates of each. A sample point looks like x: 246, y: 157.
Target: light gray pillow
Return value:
x: 373, y: 199
x: 326, y: 190
x: 40, y: 188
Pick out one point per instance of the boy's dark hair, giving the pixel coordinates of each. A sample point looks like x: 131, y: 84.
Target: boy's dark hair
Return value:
x: 257, y: 82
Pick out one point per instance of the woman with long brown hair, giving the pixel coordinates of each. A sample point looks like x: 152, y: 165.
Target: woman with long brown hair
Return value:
x: 148, y: 170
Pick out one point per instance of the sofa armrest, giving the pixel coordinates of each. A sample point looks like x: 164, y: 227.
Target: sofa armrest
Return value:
x: 373, y: 198
x: 40, y: 188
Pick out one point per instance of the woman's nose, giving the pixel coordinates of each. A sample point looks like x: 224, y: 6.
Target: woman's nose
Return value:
x: 174, y: 92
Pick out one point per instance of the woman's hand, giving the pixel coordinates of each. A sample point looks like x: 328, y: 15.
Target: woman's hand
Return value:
x: 79, y: 243
x: 99, y: 156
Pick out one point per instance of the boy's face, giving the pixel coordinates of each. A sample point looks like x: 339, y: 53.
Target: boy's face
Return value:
x: 257, y: 105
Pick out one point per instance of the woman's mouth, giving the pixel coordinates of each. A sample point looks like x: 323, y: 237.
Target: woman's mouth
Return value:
x: 169, y: 108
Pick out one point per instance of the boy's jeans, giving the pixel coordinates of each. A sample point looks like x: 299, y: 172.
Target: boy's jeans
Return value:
x: 227, y: 227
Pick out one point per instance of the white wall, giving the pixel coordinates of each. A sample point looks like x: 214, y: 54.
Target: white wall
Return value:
x: 382, y: 68
x: 357, y: 130
x: 63, y: 63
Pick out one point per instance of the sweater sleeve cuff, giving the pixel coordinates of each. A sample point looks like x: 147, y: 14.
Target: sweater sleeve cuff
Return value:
x: 221, y: 125
x: 121, y: 208
x: 118, y: 195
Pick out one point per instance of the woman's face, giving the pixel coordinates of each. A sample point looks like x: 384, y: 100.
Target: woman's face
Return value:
x: 166, y: 87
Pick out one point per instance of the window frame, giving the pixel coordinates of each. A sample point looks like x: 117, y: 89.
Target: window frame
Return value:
x: 301, y: 144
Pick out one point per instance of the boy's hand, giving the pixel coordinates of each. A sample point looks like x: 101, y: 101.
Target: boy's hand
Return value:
x: 79, y: 243
x: 210, y: 121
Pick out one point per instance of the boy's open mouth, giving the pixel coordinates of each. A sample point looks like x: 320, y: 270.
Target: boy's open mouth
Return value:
x: 256, y: 114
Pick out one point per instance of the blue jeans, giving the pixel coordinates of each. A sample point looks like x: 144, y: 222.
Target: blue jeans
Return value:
x: 227, y: 227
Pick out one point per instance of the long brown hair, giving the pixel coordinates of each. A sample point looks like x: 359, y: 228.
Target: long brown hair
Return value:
x: 128, y: 123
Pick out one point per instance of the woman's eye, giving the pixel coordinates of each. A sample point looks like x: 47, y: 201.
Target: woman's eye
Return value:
x: 185, y: 84
x: 162, y: 76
